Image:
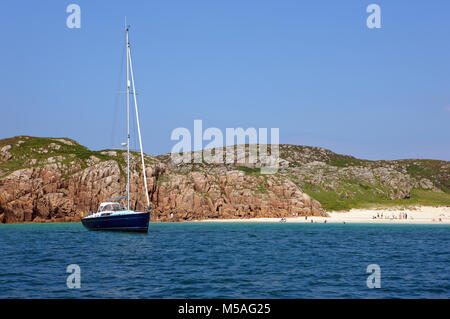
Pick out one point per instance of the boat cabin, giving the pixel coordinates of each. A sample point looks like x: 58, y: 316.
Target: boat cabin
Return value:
x: 110, y: 207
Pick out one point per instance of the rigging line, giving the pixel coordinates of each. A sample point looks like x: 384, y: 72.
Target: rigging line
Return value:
x: 116, y: 100
x: 134, y: 141
x: 135, y: 134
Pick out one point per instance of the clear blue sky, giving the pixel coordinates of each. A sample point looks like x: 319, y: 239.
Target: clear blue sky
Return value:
x: 311, y: 68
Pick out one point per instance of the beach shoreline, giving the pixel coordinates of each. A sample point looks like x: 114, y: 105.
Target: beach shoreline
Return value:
x: 435, y: 215
x: 419, y: 215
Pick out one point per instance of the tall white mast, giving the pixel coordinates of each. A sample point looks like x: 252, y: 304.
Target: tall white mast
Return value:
x: 128, y: 123
x: 138, y: 126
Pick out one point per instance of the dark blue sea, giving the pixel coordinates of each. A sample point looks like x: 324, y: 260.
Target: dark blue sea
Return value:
x: 226, y: 260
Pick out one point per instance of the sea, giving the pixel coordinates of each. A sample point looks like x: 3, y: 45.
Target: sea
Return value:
x: 226, y: 260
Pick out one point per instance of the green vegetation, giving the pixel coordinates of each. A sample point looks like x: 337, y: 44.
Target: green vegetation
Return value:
x: 366, y: 196
x: 261, y: 190
x: 354, y: 193
x: 431, y: 170
x: 344, y: 161
x: 249, y: 170
x: 37, y: 151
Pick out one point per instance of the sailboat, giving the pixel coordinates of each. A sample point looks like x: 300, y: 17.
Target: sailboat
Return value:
x: 111, y: 215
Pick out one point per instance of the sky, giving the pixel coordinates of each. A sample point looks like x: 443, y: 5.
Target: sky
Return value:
x: 313, y: 69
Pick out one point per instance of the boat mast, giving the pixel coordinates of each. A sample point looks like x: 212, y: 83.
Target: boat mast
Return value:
x: 128, y: 123
x: 138, y: 126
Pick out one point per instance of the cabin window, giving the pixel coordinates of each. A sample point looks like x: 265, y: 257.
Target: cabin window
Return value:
x: 111, y: 207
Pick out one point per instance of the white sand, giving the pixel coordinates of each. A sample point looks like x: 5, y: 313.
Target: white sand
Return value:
x: 416, y: 215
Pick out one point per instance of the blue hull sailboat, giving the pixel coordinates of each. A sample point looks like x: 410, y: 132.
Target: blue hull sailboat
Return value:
x: 121, y: 220
x: 112, y: 215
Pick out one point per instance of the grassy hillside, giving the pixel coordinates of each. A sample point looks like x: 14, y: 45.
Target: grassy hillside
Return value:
x: 368, y: 197
x: 26, y: 151
x: 341, y: 182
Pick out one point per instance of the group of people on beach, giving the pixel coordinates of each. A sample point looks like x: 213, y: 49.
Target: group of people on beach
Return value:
x: 392, y: 216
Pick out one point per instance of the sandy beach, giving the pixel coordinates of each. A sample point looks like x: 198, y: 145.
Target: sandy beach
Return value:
x: 416, y: 215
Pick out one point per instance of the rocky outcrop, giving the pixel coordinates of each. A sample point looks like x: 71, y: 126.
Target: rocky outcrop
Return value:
x: 58, y: 187
x: 39, y: 194
x: 197, y: 195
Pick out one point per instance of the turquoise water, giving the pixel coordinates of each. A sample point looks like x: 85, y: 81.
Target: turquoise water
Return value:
x: 232, y: 260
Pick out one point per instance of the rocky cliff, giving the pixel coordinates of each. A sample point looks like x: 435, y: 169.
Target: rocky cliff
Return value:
x: 55, y: 179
